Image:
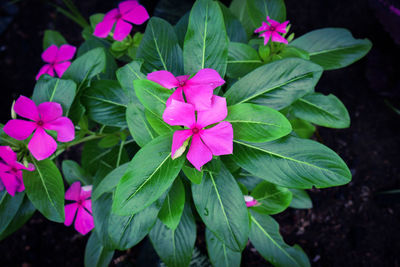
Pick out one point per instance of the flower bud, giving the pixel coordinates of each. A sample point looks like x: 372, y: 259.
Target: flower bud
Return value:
x: 13, y: 114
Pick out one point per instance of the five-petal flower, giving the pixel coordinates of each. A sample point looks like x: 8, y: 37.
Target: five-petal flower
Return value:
x: 205, y: 143
x: 11, y: 171
x: 127, y: 11
x: 272, y: 30
x: 198, y: 89
x: 82, y: 208
x: 57, y: 59
x: 45, y: 116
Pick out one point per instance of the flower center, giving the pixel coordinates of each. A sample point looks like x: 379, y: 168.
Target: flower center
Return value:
x: 119, y: 16
x: 272, y: 28
x: 80, y: 202
x: 13, y: 169
x: 181, y: 84
x: 195, y: 130
x: 40, y: 123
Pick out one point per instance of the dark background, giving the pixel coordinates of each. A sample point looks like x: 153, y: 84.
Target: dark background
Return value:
x: 352, y: 225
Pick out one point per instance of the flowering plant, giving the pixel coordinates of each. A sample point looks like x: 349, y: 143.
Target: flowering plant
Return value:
x: 203, y: 123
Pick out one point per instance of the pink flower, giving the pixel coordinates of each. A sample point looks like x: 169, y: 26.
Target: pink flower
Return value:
x: 198, y: 90
x: 11, y: 171
x: 272, y: 31
x: 217, y: 140
x: 84, y: 220
x: 127, y: 11
x: 45, y: 116
x: 250, y: 201
x: 57, y: 59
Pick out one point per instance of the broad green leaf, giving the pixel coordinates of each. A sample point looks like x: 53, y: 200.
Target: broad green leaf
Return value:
x: 50, y: 89
x: 109, y: 141
x: 255, y: 123
x: 23, y: 214
x: 221, y: 206
x: 301, y: 200
x: 323, y: 110
x: 175, y: 247
x: 292, y: 162
x: 219, y: 253
x: 277, y: 84
x: 265, y: 237
x: 258, y: 11
x: 181, y: 28
x: 53, y: 37
x: 291, y: 51
x: 242, y: 59
x: 234, y: 28
x: 249, y: 181
x: 158, y: 124
x: 95, y: 253
x: 106, y: 102
x: 302, y: 128
x: 192, y: 174
x: 138, y: 125
x: 9, y: 206
x: 73, y: 172
x: 152, y: 95
x: 146, y: 180
x: 127, y: 74
x: 159, y: 48
x: 238, y: 8
x: 45, y: 189
x: 333, y: 48
x: 272, y: 198
x: 110, y: 181
x: 206, y: 41
x: 101, y: 215
x: 171, y: 211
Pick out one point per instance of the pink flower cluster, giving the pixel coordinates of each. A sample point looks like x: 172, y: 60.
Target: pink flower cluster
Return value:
x: 201, y: 109
x: 272, y: 29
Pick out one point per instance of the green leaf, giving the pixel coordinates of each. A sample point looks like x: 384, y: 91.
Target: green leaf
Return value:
x: 45, y: 189
x: 146, y: 180
x: 106, y: 102
x: 242, y: 59
x: 302, y: 128
x: 221, y: 206
x: 323, y: 110
x: 95, y: 254
x: 175, y: 247
x: 138, y: 125
x: 53, y: 37
x: 219, y: 253
x: 181, y: 28
x: 255, y: 123
x: 109, y: 141
x: 265, y: 237
x: 159, y: 48
x: 101, y: 215
x: 273, y: 198
x: 152, y: 95
x: 277, y: 84
x: 171, y: 211
x: 192, y: 174
x: 23, y: 214
x: 258, y: 10
x: 127, y: 74
x: 333, y: 48
x: 292, y: 162
x: 158, y: 124
x: 238, y: 8
x: 291, y: 51
x: 9, y: 206
x: 234, y: 28
x: 206, y: 41
x: 73, y: 172
x: 50, y: 89
x: 110, y: 181
x: 301, y: 200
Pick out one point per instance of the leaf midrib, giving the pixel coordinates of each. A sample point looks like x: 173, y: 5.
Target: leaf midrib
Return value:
x: 54, y: 90
x: 255, y: 122
x: 319, y: 108
x: 157, y: 48
x: 105, y: 101
x: 334, y: 49
x: 204, y: 38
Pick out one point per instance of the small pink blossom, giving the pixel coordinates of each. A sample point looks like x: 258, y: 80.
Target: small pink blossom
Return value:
x: 11, y: 171
x: 57, y: 59
x: 127, y: 11
x: 217, y: 140
x: 272, y: 29
x: 250, y: 201
x: 82, y: 208
x: 198, y: 89
x: 45, y: 116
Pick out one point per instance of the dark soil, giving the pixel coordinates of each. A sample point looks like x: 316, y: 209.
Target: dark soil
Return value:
x: 352, y: 225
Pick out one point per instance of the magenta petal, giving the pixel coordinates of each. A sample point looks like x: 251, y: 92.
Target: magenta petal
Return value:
x: 4, y: 168
x: 43, y: 70
x: 66, y: 52
x: 50, y: 54
x: 137, y: 16
x: 42, y: 145
x: 276, y: 37
x: 198, y: 153
x: 26, y: 108
x: 104, y: 27
x: 84, y: 221
x: 122, y: 29
x: 251, y: 203
x: 219, y: 139
x: 199, y: 96
x: 73, y: 192
x: 70, y: 211
x: 179, y: 113
x: 64, y: 128
x: 21, y: 166
x: 127, y: 6
x: 282, y: 27
x: 60, y: 68
x: 163, y: 78
x: 266, y: 36
x: 206, y: 77
x: 8, y: 155
x: 49, y: 111
x: 19, y: 129
x: 10, y: 182
x: 264, y: 27
x: 88, y: 205
x: 178, y: 139
x: 177, y: 95
x: 272, y: 22
x: 216, y: 113
x: 86, y: 192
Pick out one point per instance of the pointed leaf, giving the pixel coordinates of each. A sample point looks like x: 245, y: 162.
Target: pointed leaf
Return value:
x: 52, y: 37
x: 138, y: 125
x: 95, y: 254
x: 301, y: 200
x: 219, y: 253
x: 234, y: 28
x: 110, y: 181
x: 171, y: 211
x: 272, y: 198
x: 258, y: 10
x: 73, y: 172
x: 9, y: 206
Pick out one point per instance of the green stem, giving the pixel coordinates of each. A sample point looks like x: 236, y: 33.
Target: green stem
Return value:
x: 120, y: 153
x: 62, y: 148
